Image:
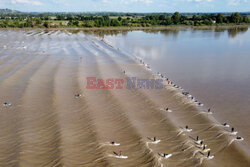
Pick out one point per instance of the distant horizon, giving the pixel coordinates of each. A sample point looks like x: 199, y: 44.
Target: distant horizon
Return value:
x: 121, y: 12
x: 127, y: 6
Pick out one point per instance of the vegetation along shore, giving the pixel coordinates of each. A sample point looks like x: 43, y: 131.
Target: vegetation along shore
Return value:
x: 121, y: 20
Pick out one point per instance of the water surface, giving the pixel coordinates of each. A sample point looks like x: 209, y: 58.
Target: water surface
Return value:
x: 213, y: 65
x: 45, y: 122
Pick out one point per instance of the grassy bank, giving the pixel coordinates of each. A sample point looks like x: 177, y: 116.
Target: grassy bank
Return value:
x: 171, y: 27
x: 162, y: 21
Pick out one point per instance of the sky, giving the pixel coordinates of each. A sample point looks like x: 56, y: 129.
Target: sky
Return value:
x: 144, y: 6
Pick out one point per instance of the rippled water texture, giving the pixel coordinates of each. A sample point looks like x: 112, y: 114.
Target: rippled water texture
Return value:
x: 44, y: 123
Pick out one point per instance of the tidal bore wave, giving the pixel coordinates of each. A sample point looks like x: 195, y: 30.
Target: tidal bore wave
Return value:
x: 49, y: 118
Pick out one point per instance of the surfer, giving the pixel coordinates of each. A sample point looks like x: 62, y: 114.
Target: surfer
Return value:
x: 199, y: 104
x: 7, y: 104
x: 78, y: 96
x: 226, y: 125
x: 187, y: 129
x: 120, y: 155
x: 198, y: 141
x: 202, y: 145
x: 114, y: 143
x: 164, y: 155
x: 209, y: 111
x: 233, y: 132
x: 154, y: 140
x: 168, y: 110
x: 209, y: 156
x: 117, y: 153
x: 239, y: 138
x: 185, y: 93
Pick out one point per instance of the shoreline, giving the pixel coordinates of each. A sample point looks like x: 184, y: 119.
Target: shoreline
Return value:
x: 137, y: 28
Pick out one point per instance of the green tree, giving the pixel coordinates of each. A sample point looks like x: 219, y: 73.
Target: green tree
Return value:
x: 235, y: 18
x: 245, y: 19
x: 16, y: 23
x: 115, y: 22
x: 60, y: 17
x: 38, y: 21
x: 195, y: 18
x: 76, y: 23
x: 21, y: 25
x: 176, y: 18
x: 70, y: 17
x: 162, y: 17
x: 124, y: 22
x: 219, y: 18
x: 168, y: 21
x: 106, y: 21
x: 183, y: 18
x: 89, y: 23
x: 208, y: 22
x: 46, y: 24
x: 28, y: 23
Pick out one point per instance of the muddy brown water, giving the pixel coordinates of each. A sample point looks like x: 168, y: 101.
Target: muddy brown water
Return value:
x: 46, y: 125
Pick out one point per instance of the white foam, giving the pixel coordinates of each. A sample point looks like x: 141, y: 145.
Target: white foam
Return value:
x: 234, y: 133
x: 210, y: 157
x: 121, y: 156
x: 156, y: 141
x: 210, y: 113
x: 7, y: 105
x: 169, y: 110
x: 188, y: 130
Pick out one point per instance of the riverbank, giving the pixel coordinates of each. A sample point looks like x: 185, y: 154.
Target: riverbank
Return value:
x: 174, y: 27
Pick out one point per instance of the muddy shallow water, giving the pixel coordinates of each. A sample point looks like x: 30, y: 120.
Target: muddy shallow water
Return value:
x: 212, y: 64
x: 48, y: 117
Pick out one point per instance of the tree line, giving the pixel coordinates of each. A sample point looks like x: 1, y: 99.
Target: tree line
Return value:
x: 84, y: 20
